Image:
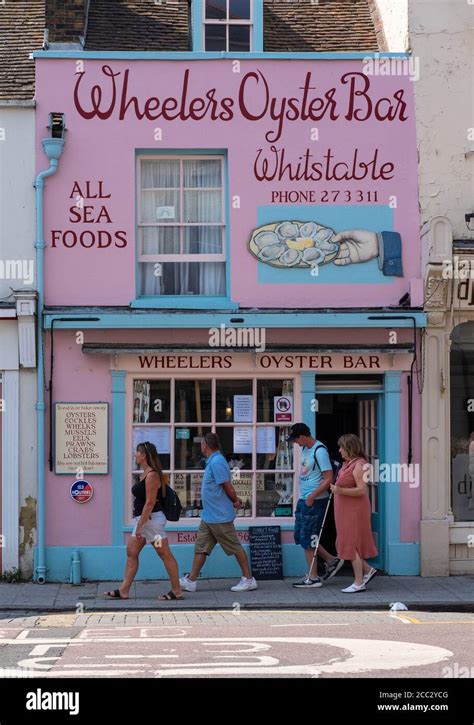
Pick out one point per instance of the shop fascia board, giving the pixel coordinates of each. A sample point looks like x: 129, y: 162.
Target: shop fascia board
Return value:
x: 146, y: 320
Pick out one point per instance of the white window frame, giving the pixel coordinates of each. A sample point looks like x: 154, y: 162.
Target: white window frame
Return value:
x: 227, y: 22
x: 212, y: 425
x: 162, y: 258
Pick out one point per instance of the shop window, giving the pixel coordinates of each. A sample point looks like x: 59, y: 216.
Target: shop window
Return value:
x: 228, y: 25
x: 182, y: 227
x: 462, y: 421
x: 176, y: 413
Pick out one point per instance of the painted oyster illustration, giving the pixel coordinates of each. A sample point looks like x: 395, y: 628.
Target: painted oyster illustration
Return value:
x: 293, y: 244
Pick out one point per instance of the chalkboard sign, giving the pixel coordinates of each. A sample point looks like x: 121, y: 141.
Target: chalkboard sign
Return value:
x: 265, y: 552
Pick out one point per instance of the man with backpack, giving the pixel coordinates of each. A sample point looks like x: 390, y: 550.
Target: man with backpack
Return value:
x: 316, y: 476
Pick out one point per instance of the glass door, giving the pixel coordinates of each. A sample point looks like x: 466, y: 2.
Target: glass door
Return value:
x: 368, y: 424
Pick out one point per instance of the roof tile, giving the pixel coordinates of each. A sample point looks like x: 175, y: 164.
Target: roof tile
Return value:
x: 21, y: 32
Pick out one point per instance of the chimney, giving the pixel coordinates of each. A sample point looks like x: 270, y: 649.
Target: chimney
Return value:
x: 66, y: 21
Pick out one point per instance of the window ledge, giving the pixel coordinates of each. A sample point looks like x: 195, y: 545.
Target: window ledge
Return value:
x: 188, y: 302
x: 285, y: 523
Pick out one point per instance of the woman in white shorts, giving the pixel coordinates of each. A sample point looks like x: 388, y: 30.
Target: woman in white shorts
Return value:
x: 150, y: 524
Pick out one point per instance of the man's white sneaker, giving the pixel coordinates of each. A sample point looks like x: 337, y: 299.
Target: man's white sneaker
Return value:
x: 245, y: 585
x: 187, y: 584
x: 354, y: 588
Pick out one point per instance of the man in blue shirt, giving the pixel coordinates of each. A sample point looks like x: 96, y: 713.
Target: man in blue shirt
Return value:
x: 219, y: 501
x: 316, y: 476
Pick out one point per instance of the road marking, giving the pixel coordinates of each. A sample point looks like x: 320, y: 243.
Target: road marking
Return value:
x: 354, y: 656
x: 109, y: 664
x: 447, y: 622
x: 412, y: 620
x: 133, y: 656
x: 402, y: 618
x: 314, y: 624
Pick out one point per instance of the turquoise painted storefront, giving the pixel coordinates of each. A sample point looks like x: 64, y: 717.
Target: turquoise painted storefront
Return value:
x: 106, y: 562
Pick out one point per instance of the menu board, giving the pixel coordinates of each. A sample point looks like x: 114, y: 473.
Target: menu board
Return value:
x: 81, y: 438
x: 265, y: 552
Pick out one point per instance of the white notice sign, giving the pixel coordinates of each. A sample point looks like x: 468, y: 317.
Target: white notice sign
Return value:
x: 243, y: 408
x: 242, y: 440
x: 266, y: 439
x: 159, y: 436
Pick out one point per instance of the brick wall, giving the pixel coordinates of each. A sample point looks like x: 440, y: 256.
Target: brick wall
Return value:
x: 65, y: 20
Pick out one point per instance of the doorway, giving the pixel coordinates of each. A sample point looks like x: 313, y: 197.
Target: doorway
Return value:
x: 351, y: 412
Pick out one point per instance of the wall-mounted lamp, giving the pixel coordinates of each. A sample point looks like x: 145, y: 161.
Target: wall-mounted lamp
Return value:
x: 467, y: 219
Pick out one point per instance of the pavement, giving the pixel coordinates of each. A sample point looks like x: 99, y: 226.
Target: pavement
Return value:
x: 454, y: 594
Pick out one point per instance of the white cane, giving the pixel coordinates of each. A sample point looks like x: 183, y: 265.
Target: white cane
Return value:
x: 319, y: 537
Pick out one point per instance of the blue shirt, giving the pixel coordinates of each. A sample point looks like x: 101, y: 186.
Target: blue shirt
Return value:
x: 311, y: 472
x: 217, y: 508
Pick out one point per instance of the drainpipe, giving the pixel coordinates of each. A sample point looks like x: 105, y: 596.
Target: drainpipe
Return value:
x: 53, y: 148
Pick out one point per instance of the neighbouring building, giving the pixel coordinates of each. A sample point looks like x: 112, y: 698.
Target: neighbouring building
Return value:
x: 232, y: 244
x: 442, y: 39
x: 21, y: 29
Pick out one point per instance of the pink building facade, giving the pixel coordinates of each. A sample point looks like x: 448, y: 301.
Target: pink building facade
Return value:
x: 232, y: 244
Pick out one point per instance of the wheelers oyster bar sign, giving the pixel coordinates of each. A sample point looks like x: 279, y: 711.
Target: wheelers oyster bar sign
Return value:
x: 270, y: 362
x: 289, y: 174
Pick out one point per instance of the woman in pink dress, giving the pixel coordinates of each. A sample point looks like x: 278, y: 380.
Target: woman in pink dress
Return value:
x: 352, y: 511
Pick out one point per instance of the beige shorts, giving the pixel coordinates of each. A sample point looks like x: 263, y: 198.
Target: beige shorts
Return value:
x: 154, y: 527
x: 211, y: 534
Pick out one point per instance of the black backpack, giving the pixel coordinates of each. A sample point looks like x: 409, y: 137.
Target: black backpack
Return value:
x: 334, y: 464
x: 170, y: 504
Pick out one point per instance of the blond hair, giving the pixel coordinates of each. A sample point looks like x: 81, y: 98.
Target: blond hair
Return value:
x: 352, y: 444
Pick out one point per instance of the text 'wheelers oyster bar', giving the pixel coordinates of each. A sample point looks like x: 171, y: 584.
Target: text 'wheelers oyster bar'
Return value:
x: 185, y: 293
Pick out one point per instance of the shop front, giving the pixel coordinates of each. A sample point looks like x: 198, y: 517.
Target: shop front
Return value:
x: 231, y: 246
x: 173, y: 394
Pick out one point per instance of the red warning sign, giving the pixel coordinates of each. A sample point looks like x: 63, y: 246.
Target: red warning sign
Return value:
x: 283, y: 409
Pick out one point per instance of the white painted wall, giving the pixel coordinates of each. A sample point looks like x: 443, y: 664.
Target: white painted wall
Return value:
x: 394, y: 17
x: 442, y: 36
x: 17, y: 195
x: 17, y: 237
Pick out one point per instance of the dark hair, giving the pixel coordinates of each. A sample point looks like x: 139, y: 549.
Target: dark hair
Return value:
x: 212, y: 440
x: 152, y: 458
x: 353, y: 445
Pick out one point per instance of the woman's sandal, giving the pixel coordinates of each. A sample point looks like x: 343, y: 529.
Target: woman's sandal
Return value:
x: 115, y: 594
x: 168, y: 597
